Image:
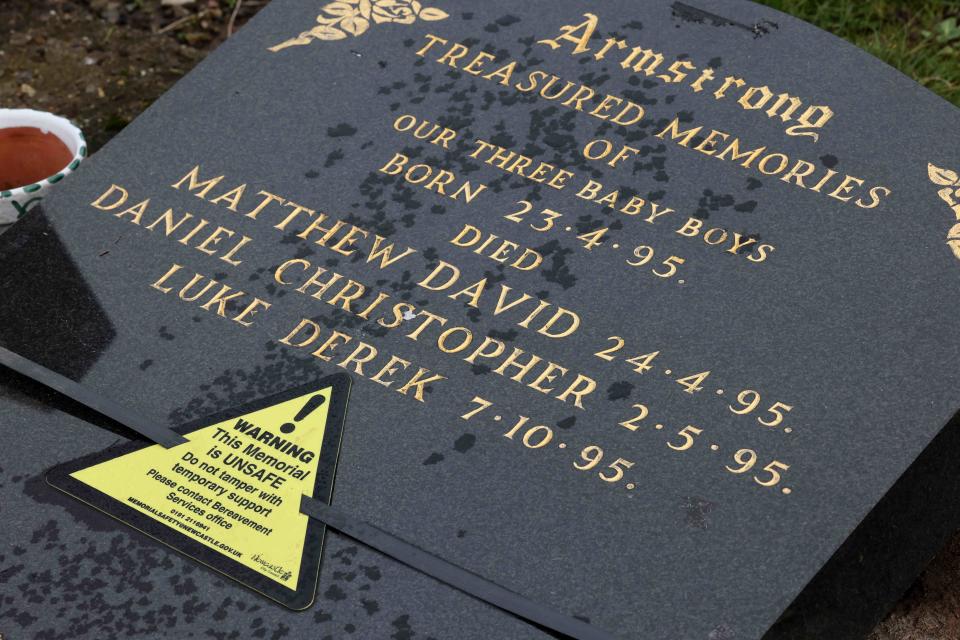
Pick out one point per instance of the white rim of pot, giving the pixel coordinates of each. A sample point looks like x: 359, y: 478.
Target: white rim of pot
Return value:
x: 65, y: 130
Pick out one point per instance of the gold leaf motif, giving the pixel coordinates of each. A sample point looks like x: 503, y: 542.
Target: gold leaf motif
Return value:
x: 344, y: 18
x: 953, y: 240
x: 431, y: 13
x: 947, y: 195
x: 355, y: 25
x: 950, y: 193
x: 326, y: 32
x: 340, y: 9
x: 942, y: 177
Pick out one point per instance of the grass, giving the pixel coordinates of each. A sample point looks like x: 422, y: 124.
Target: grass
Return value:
x: 921, y: 38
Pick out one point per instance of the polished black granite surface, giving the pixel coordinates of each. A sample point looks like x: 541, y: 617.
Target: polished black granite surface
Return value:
x: 683, y: 388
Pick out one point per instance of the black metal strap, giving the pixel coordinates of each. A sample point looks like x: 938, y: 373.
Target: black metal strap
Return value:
x: 153, y: 430
x: 363, y: 532
x: 450, y: 574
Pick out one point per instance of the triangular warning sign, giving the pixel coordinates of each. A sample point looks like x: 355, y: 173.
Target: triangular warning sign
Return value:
x: 229, y: 497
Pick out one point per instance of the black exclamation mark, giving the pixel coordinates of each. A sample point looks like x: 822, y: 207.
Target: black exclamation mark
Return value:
x: 310, y: 407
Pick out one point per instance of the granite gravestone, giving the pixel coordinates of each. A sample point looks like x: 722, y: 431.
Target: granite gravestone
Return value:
x: 648, y: 308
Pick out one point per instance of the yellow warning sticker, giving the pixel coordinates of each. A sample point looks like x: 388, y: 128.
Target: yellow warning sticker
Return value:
x: 230, y: 495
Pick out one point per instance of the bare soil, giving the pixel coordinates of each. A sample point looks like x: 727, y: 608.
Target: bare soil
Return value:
x: 102, y: 62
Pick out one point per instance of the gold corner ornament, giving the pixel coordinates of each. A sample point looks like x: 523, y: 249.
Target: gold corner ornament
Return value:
x: 950, y: 193
x: 353, y: 17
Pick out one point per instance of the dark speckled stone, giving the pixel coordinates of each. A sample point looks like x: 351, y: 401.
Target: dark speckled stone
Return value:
x: 851, y: 322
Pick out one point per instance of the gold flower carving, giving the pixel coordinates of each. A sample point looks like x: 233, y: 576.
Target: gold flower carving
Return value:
x: 950, y: 193
x: 346, y: 18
